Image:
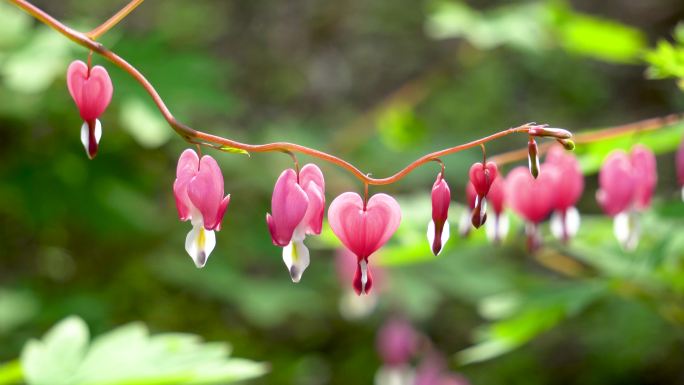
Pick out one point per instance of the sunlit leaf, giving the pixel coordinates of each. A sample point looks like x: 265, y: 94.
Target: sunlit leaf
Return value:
x: 144, y: 123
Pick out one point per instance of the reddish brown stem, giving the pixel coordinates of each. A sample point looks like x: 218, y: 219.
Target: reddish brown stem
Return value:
x: 194, y: 136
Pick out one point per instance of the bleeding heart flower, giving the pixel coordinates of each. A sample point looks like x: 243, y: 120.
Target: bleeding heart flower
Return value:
x: 91, y: 89
x: 297, y: 206
x: 646, y: 175
x: 498, y: 228
x: 438, y: 228
x: 568, y: 185
x: 679, y: 163
x: 481, y: 177
x: 363, y: 229
x: 617, y: 183
x: 532, y: 199
x: 198, y: 190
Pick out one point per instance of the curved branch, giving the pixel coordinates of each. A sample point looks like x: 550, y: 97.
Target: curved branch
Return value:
x: 194, y: 136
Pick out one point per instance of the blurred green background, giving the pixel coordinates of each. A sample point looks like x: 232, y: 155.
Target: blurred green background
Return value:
x: 378, y: 83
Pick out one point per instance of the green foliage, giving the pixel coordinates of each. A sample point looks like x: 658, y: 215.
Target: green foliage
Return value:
x: 666, y: 60
x: 537, y: 26
x: 129, y: 355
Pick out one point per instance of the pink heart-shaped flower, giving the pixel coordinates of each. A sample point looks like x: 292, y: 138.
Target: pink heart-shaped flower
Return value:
x: 533, y: 199
x: 91, y: 90
x: 364, y: 230
x: 482, y: 176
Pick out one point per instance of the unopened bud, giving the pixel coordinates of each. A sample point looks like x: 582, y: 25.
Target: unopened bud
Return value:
x: 533, y: 157
x: 543, y: 131
x: 567, y: 144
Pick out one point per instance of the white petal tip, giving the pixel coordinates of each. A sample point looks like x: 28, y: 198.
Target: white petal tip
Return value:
x: 296, y: 258
x: 199, y: 244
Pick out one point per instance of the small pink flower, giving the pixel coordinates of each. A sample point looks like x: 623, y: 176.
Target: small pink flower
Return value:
x: 679, y: 163
x: 627, y: 183
x: 646, y: 175
x: 198, y: 190
x: 568, y: 185
x: 617, y: 183
x: 498, y: 228
x: 532, y: 199
x: 363, y: 229
x: 297, y: 206
x: 481, y: 177
x: 92, y: 91
x: 397, y: 342
x: 438, y: 228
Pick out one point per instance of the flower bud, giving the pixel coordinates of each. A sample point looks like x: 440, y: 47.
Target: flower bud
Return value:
x: 438, y: 228
x: 542, y: 131
x: 533, y: 157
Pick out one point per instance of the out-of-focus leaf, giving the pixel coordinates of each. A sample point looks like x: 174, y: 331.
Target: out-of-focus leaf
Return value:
x: 400, y: 128
x: 13, y: 25
x: 129, y: 355
x: 542, y: 310
x: 144, y: 123
x: 33, y: 68
x: 15, y: 309
x: 516, y: 25
x: 601, y: 39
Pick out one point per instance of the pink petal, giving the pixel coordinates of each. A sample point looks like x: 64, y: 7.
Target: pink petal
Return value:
x: 617, y: 184
x: 288, y: 206
x: 397, y: 342
x: 497, y: 196
x: 646, y: 174
x: 441, y: 198
x: 222, y: 211
x: 569, y: 183
x: 311, y: 179
x: 206, y: 191
x: 92, y: 91
x: 532, y: 199
x: 364, y: 232
x: 188, y: 167
x: 471, y: 194
x: 482, y: 176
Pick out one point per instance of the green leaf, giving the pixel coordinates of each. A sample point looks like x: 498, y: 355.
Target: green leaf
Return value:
x: 15, y: 309
x: 234, y: 150
x: 601, y: 39
x: 130, y: 355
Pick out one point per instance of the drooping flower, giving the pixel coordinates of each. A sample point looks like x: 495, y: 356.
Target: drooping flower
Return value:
x: 626, y: 186
x: 198, y: 190
x: 531, y: 198
x: 91, y: 89
x: 297, y: 206
x: 679, y: 164
x: 438, y: 228
x: 481, y: 177
x: 646, y: 175
x: 351, y: 305
x: 497, y: 229
x: 568, y: 187
x: 617, y: 184
x: 363, y: 228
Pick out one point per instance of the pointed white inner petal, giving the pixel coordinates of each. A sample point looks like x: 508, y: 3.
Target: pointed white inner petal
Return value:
x: 84, y: 135
x: 364, y: 275
x: 445, y: 234
x: 199, y: 243
x: 395, y: 375
x: 565, y: 226
x: 572, y: 221
x: 431, y: 232
x: 98, y: 131
x: 626, y: 229
x: 497, y: 228
x: 296, y: 258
